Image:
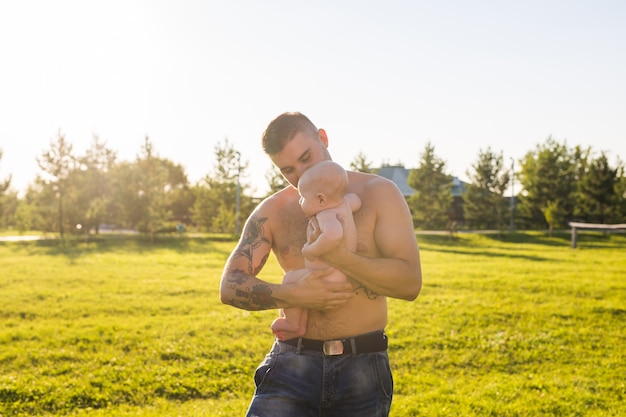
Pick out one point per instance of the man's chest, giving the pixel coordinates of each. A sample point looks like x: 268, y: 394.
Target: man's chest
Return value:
x: 289, y: 228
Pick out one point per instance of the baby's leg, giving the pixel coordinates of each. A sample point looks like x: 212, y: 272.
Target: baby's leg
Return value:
x: 292, y: 321
x: 290, y: 324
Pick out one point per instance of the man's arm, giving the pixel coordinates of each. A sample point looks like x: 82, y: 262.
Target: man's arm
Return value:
x: 241, y: 288
x: 395, y: 271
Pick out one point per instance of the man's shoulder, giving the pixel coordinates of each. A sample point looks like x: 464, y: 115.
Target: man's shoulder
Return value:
x: 285, y: 196
x: 278, y: 204
x: 365, y: 176
x: 370, y: 182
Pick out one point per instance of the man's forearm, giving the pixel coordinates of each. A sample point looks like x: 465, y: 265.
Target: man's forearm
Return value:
x: 388, y: 277
x: 303, y: 288
x: 247, y: 292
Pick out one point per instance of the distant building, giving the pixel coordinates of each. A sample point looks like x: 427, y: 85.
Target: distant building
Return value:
x: 399, y: 175
x: 458, y: 187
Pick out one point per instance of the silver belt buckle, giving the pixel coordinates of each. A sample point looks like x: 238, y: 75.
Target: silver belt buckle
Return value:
x: 333, y: 347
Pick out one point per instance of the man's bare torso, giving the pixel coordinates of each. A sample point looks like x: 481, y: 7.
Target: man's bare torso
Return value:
x: 367, y: 311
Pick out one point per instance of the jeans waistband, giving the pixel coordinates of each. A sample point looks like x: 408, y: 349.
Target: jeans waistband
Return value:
x: 366, y: 343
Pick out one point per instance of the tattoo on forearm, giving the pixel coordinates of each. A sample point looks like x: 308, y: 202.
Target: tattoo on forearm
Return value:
x: 259, y: 297
x: 253, y: 237
x: 237, y: 277
x: 249, y: 293
x: 371, y: 295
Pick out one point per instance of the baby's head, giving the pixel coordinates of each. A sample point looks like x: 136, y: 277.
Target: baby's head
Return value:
x: 322, y: 186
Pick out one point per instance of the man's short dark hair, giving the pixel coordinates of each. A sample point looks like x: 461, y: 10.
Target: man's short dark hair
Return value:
x: 283, y: 128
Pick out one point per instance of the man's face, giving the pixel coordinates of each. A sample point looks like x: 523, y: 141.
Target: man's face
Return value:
x: 301, y: 152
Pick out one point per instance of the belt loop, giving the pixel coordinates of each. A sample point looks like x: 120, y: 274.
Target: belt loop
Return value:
x: 353, y: 345
x: 299, y: 347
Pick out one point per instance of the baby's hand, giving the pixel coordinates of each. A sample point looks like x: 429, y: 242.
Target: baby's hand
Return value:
x: 313, y: 230
x: 306, y: 251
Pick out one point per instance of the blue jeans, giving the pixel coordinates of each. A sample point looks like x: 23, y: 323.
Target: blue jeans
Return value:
x: 308, y: 383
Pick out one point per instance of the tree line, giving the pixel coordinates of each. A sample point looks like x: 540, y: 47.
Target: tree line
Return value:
x: 79, y: 194
x: 556, y: 184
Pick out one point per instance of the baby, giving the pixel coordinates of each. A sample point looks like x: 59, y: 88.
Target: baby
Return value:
x: 323, y: 195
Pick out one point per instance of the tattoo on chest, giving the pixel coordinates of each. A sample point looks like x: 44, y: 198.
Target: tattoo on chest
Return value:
x: 371, y: 295
x: 252, y: 239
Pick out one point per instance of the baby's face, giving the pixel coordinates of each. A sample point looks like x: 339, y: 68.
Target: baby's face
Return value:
x: 309, y: 204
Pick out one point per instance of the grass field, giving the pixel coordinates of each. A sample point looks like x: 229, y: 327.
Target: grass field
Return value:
x: 518, y: 326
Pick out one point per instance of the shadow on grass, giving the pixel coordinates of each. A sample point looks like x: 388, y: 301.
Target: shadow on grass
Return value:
x: 492, y: 244
x: 558, y: 238
x: 465, y: 243
x: 488, y: 253
x: 74, y: 247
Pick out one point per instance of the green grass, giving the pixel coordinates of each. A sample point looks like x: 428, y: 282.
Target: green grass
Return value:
x: 518, y: 326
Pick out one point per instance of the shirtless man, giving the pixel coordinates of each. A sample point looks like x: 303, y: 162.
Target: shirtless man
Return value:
x: 324, y: 200
x: 340, y: 367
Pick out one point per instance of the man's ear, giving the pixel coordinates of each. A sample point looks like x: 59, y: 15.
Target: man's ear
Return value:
x: 321, y: 133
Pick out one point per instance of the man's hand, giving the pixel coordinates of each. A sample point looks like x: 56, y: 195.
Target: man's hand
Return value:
x: 312, y: 292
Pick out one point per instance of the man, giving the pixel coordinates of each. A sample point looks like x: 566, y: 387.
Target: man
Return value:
x: 340, y: 367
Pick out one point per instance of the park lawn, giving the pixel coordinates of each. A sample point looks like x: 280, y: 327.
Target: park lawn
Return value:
x: 512, y: 326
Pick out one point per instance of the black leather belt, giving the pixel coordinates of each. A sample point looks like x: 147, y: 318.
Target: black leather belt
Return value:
x: 366, y: 343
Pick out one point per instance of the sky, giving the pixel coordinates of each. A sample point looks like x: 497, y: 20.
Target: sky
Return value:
x: 383, y: 78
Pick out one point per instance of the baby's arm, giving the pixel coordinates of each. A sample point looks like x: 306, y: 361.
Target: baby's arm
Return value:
x: 330, y: 235
x: 353, y: 201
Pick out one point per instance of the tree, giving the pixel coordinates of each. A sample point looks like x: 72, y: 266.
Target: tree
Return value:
x: 125, y: 207
x: 96, y: 189
x: 598, y: 187
x: 88, y: 193
x: 433, y: 186
x: 548, y: 176
x: 9, y: 203
x: 621, y: 191
x: 217, y: 193
x: 484, y: 201
x: 57, y: 163
x: 151, y: 195
x: 153, y: 185
x: 361, y: 164
x: 275, y: 180
x: 179, y: 196
x: 42, y: 203
x: 24, y: 218
x: 4, y: 185
x: 553, y: 213
x: 4, y: 199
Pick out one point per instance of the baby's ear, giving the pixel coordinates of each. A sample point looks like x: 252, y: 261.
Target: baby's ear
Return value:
x: 321, y: 199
